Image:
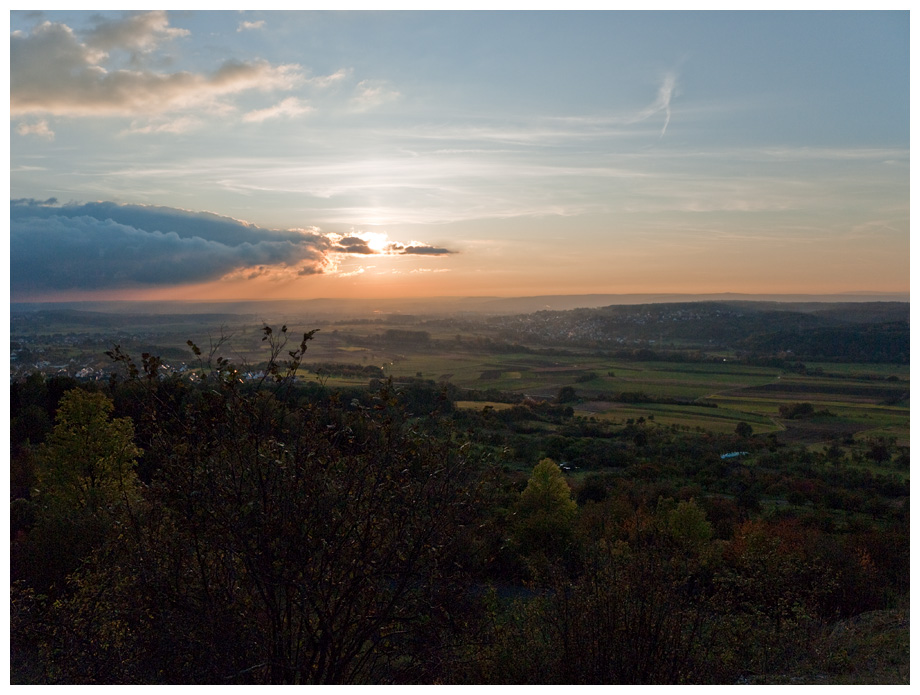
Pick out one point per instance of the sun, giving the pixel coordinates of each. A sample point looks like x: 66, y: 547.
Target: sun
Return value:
x: 378, y: 242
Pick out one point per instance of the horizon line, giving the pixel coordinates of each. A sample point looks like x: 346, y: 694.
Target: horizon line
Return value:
x: 763, y: 296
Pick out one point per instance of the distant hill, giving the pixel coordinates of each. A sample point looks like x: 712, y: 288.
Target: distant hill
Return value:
x: 852, y: 331
x: 447, y: 305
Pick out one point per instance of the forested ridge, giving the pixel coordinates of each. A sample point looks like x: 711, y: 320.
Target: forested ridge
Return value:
x: 845, y: 332
x: 169, y: 529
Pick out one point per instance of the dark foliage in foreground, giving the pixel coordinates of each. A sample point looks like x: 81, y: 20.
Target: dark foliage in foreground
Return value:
x: 275, y: 534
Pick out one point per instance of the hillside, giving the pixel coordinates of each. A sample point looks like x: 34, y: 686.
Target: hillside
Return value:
x: 874, y: 332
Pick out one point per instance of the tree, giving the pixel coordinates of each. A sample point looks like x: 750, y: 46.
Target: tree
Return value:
x: 548, y: 493
x: 744, y: 429
x: 688, y: 525
x: 629, y: 614
x: 87, y: 463
x: 567, y: 394
x: 85, y: 481
x: 878, y: 451
x: 280, y: 543
x: 545, y: 512
x: 796, y: 411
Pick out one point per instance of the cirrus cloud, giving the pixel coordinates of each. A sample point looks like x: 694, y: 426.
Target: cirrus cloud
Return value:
x: 326, y: 81
x: 292, y: 107
x: 662, y: 102
x: 369, y: 94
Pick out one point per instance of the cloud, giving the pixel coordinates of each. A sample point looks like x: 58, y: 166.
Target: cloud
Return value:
x: 420, y: 250
x: 52, y: 72
x: 324, y: 81
x: 248, y: 26
x: 370, y: 94
x: 136, y: 31
x: 104, y: 245
x: 288, y: 108
x: 354, y: 245
x: 377, y: 243
x: 82, y: 253
x: 180, y: 124
x: 32, y: 203
x: 351, y: 273
x: 662, y: 102
x: 39, y: 129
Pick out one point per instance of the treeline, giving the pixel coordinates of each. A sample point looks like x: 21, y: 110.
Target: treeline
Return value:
x: 221, y: 532
x: 868, y: 333
x: 342, y: 369
x: 868, y: 343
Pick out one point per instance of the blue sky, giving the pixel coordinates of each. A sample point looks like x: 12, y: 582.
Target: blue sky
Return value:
x: 322, y: 154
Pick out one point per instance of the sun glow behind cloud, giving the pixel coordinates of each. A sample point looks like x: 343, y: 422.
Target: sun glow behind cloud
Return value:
x: 376, y: 241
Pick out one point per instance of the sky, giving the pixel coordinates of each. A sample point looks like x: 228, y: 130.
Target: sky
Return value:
x: 295, y: 155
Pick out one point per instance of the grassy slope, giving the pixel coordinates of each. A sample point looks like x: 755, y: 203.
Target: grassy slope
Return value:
x: 869, y: 649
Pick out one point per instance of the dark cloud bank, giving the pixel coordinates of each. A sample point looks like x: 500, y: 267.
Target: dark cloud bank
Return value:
x: 106, y: 246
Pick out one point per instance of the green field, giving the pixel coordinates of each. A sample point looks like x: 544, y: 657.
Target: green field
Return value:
x: 857, y: 405
x: 860, y: 400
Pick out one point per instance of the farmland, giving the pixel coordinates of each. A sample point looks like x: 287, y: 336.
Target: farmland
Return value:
x: 700, y: 388
x: 775, y: 485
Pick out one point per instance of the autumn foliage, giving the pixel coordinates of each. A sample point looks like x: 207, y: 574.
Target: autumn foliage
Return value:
x: 225, y: 532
